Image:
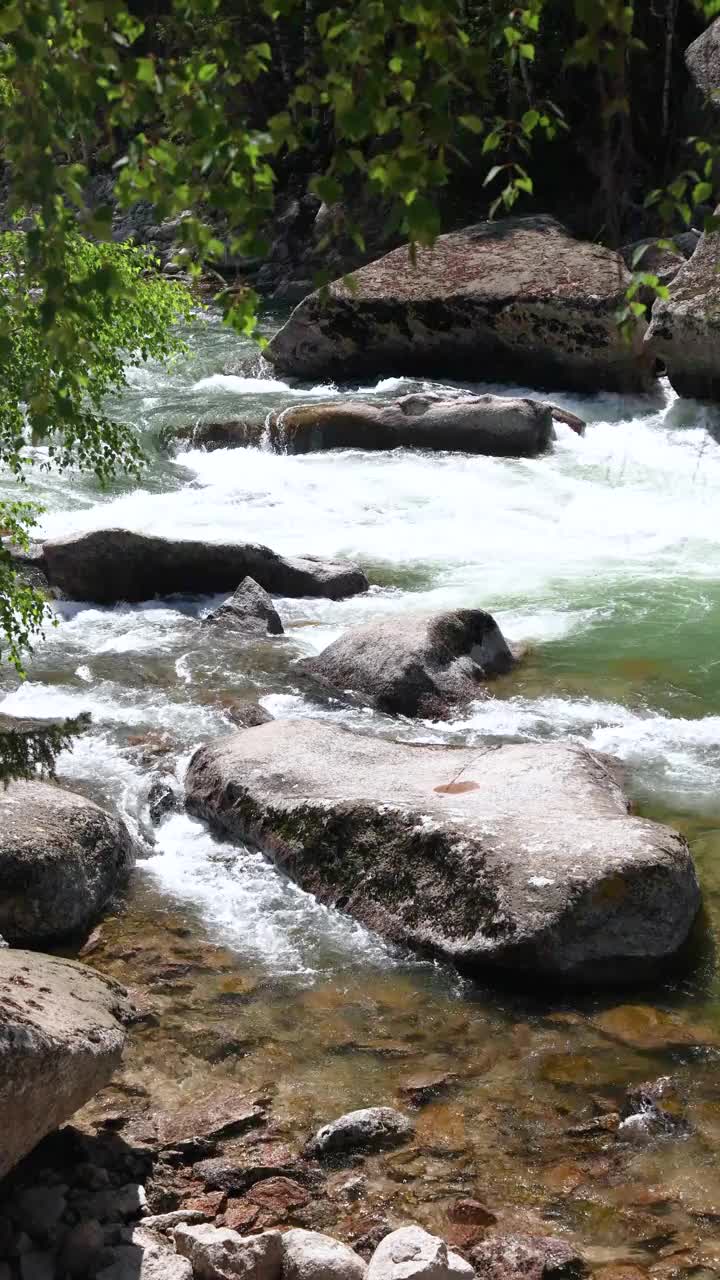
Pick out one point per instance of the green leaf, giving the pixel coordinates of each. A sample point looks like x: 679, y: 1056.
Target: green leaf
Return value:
x: 473, y: 123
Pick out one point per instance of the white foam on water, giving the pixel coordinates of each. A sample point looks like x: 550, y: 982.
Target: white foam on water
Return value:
x: 250, y: 906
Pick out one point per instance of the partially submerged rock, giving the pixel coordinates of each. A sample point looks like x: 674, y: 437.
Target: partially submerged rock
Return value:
x: 521, y: 1257
x: 250, y: 609
x: 61, y: 860
x: 234, y: 434
x: 415, y: 664
x: 509, y: 428
x: 685, y: 328
x: 109, y: 565
x: 518, y: 299
x: 413, y: 1254
x: 310, y: 1255
x: 61, y: 1039
x: 520, y: 857
x: 370, y: 1129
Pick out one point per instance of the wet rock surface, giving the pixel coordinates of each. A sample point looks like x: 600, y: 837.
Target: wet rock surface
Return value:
x: 506, y: 824
x: 371, y: 1129
x: 61, y: 1038
x: 109, y: 565
x: 249, y: 609
x: 61, y: 859
x: 486, y: 424
x: 415, y: 665
x: 518, y: 298
x: 518, y: 1257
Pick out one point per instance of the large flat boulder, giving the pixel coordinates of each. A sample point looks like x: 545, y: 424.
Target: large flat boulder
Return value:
x: 521, y: 857
x: 494, y: 425
x: 61, y: 1039
x: 411, y: 665
x: 517, y: 300
x: 61, y: 860
x: 685, y: 328
x: 108, y: 565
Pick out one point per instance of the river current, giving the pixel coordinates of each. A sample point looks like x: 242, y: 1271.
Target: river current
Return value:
x: 603, y: 560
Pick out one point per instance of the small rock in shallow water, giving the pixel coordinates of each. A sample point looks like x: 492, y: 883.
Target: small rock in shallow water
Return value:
x: 310, y: 1255
x: 472, y: 1212
x: 250, y: 610
x: 413, y: 1254
x: 370, y: 1129
x: 278, y: 1195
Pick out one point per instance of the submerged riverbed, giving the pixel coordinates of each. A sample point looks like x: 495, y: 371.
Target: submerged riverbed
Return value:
x: 602, y: 559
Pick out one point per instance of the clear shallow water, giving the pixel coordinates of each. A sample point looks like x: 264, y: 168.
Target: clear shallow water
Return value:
x: 602, y: 559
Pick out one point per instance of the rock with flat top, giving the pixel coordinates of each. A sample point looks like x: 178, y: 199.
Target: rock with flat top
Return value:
x: 310, y: 1255
x: 217, y: 1253
x: 521, y: 857
x: 494, y: 425
x: 413, y: 1254
x: 109, y: 565
x: 415, y: 665
x: 147, y: 1256
x: 515, y: 300
x: 369, y: 1129
x: 61, y: 1039
x: 62, y: 858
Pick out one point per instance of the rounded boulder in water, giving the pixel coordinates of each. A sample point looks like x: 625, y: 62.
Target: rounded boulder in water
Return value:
x: 61, y: 860
x: 416, y: 664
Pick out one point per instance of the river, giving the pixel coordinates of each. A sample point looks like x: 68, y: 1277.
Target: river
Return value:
x: 602, y: 559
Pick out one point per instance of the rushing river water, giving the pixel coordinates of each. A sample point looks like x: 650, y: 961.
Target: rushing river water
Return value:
x: 603, y: 559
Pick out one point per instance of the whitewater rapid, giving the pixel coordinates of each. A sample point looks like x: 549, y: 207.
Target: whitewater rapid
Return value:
x: 600, y: 558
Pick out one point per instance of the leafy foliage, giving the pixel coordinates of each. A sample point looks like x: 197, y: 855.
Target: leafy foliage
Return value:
x: 207, y: 106
x: 57, y: 366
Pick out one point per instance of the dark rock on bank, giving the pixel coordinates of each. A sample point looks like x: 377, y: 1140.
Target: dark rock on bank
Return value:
x: 370, y: 1129
x: 518, y: 299
x: 520, y: 857
x: 109, y: 565
x: 684, y: 329
x: 250, y: 609
x: 474, y: 424
x: 415, y: 665
x: 61, y: 1039
x: 61, y: 860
